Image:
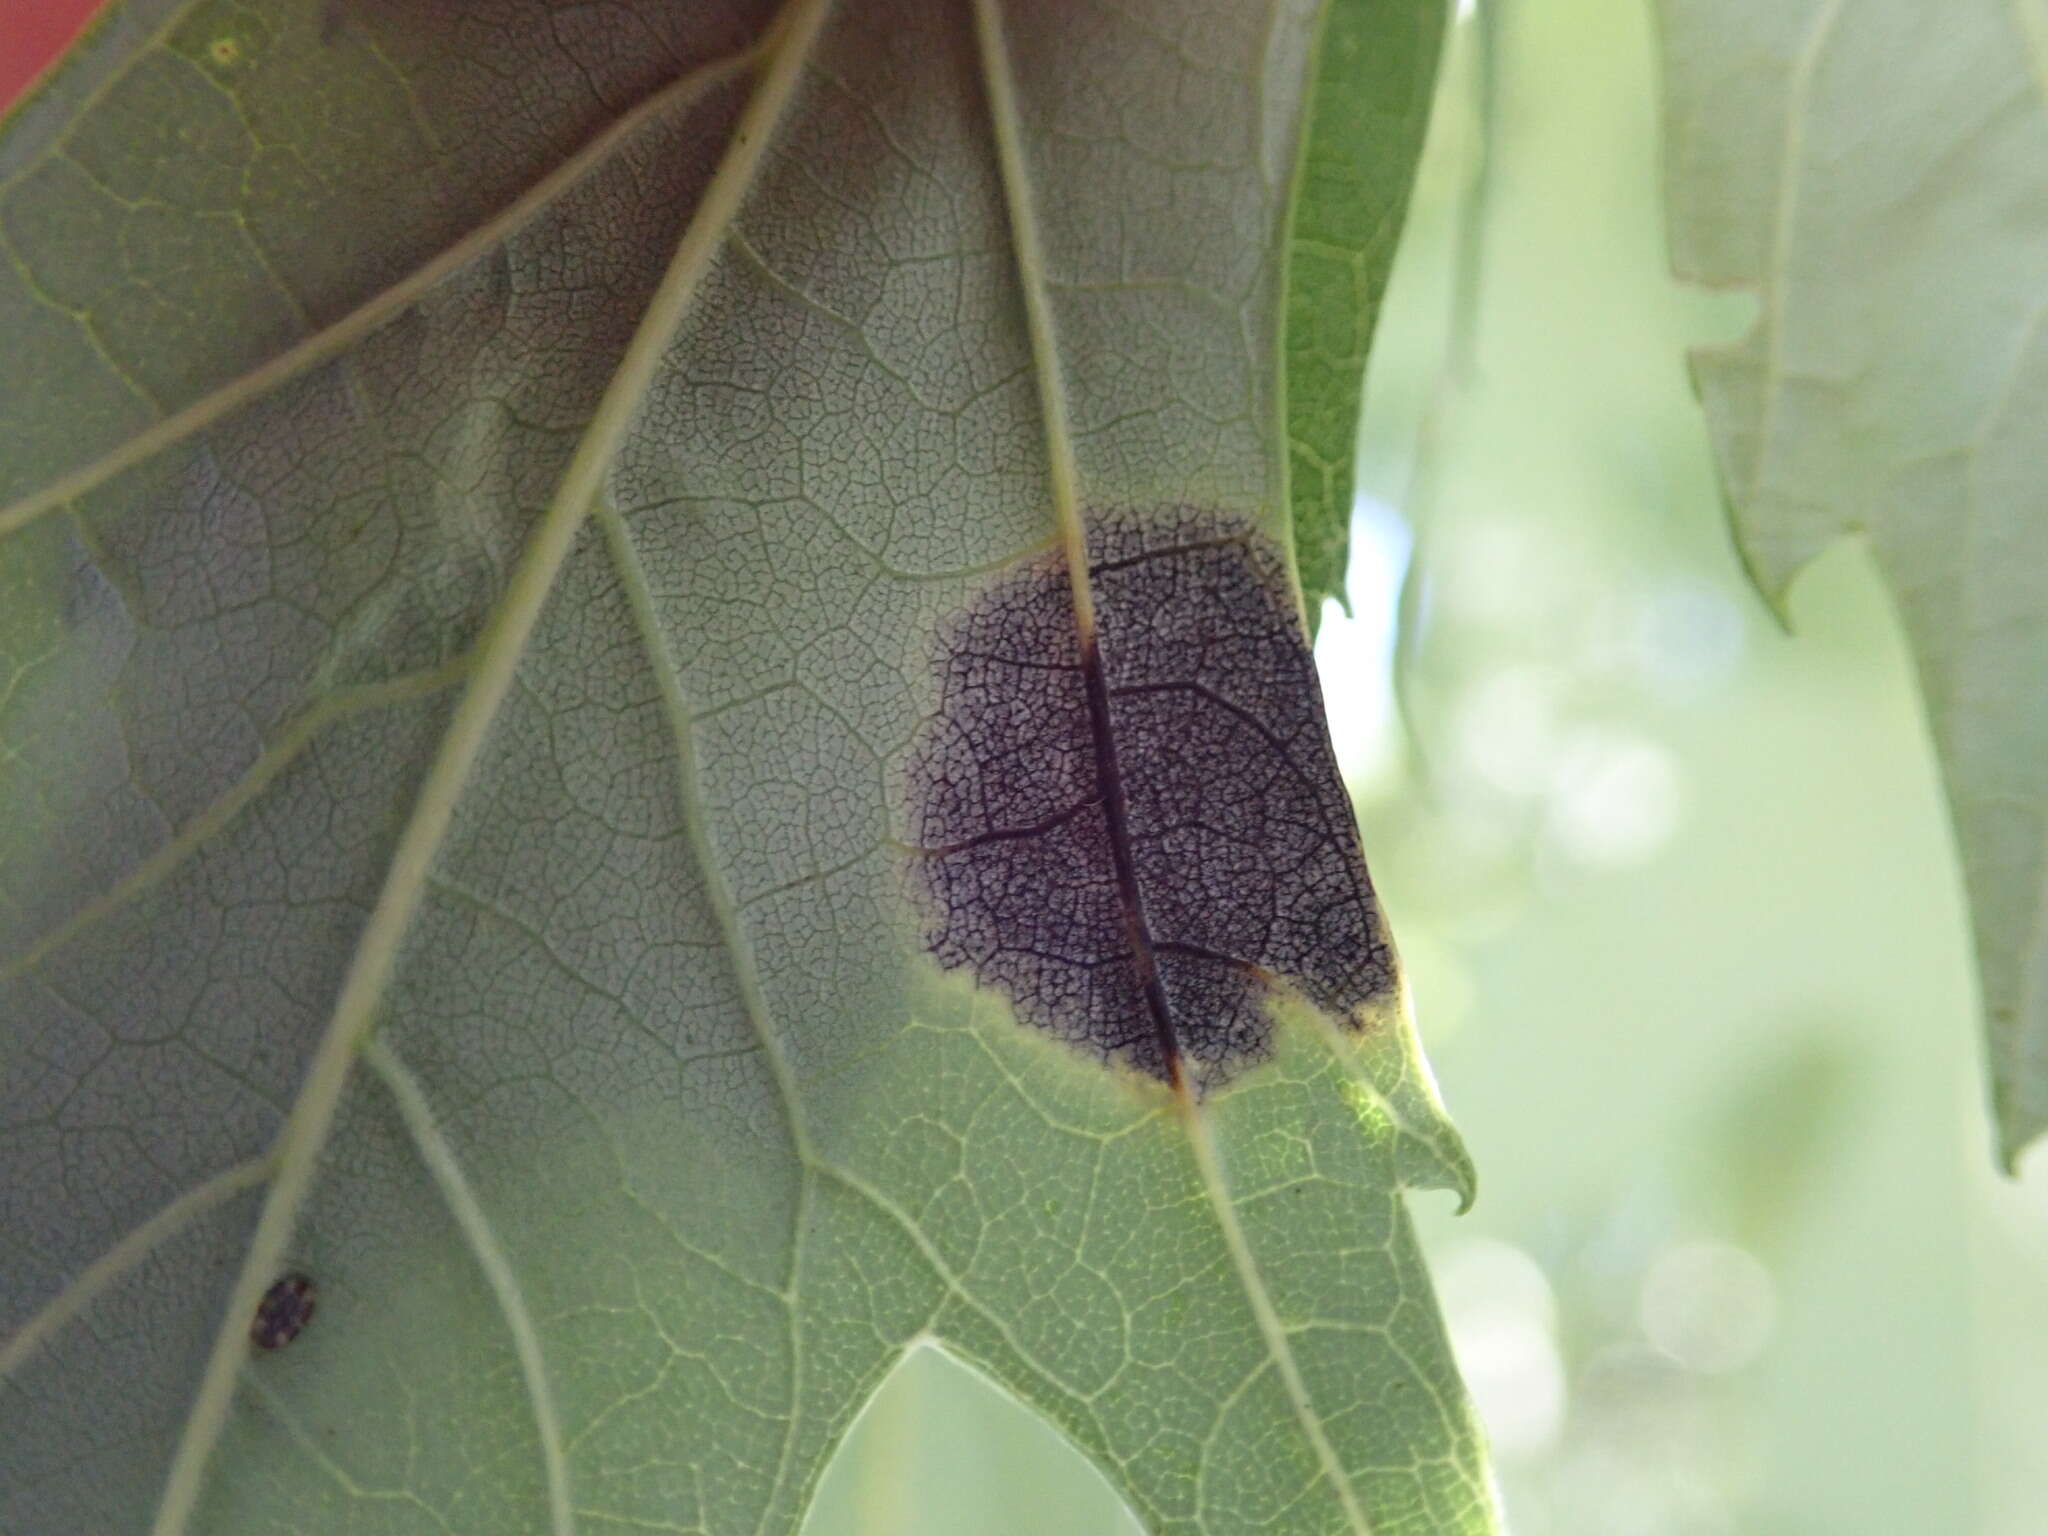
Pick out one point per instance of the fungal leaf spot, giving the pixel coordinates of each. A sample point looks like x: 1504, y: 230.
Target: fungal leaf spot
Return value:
x: 285, y: 1309
x: 1138, y: 835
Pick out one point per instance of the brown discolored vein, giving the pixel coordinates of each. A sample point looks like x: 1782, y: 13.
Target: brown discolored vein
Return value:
x: 1251, y: 968
x: 1217, y: 701
x: 1143, y: 841
x: 1002, y: 834
x: 1191, y: 547
x: 1116, y: 812
x: 1170, y: 595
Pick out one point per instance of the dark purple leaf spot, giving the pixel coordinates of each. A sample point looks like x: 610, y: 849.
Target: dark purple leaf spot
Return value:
x: 285, y: 1309
x: 1136, y: 836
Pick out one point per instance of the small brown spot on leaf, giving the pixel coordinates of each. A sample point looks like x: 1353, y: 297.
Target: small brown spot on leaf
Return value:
x: 285, y: 1309
x: 1136, y: 840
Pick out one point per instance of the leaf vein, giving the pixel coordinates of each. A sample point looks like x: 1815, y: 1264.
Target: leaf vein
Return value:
x: 475, y: 1226
x: 291, y: 744
x: 328, y: 344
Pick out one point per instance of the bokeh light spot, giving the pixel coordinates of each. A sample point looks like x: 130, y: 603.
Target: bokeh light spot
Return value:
x: 1502, y: 1315
x: 1708, y: 1306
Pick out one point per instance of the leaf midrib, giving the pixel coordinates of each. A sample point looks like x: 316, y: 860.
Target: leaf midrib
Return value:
x: 1006, y: 127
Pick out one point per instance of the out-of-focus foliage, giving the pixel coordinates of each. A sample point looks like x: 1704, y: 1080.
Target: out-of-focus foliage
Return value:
x: 1369, y: 103
x: 1675, y: 890
x: 1877, y: 174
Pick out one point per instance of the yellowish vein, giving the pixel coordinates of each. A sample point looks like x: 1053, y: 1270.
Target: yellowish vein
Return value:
x: 703, y: 844
x: 1006, y: 126
x: 1216, y: 1183
x: 475, y: 1226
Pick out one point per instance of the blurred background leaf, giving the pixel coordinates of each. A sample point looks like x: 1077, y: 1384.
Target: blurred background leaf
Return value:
x: 1877, y: 174
x: 1675, y: 886
x: 1370, y: 102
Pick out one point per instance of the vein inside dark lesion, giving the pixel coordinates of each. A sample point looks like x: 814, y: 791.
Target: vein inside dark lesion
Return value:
x: 1169, y: 551
x: 1000, y: 834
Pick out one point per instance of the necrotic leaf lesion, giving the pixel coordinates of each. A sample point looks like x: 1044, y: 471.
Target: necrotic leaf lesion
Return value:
x: 1137, y: 834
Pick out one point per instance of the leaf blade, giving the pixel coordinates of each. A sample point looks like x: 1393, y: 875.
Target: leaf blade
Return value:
x: 695, y: 1230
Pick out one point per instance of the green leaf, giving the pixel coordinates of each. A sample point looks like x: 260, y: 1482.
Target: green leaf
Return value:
x: 1878, y: 175
x: 1368, y: 105
x: 480, y: 525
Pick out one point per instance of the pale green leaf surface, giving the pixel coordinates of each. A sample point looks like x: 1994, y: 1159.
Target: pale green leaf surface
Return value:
x: 1878, y: 174
x: 473, y: 523
x: 1374, y: 78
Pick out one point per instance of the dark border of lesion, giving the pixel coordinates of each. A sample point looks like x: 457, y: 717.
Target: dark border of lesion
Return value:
x: 1235, y: 532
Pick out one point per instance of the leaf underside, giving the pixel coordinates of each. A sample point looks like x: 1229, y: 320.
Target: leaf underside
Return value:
x: 1878, y: 174
x: 473, y: 536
